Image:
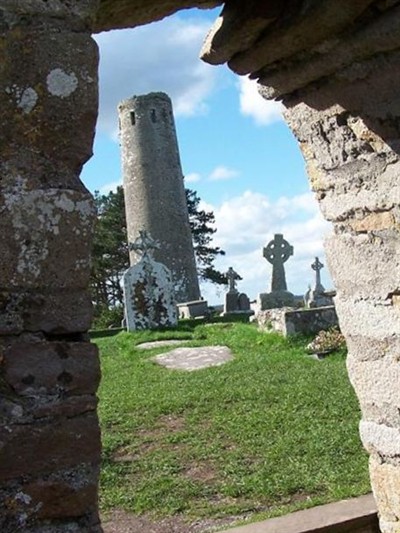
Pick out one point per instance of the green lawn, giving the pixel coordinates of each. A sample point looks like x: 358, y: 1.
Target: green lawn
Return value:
x: 267, y: 433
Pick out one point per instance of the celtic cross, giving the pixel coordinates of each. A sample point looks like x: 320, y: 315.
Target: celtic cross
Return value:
x: 144, y: 244
x: 277, y: 252
x: 317, y: 266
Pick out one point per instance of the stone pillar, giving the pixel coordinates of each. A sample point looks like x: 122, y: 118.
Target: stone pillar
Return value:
x: 155, y: 199
x: 49, y: 372
x: 348, y: 129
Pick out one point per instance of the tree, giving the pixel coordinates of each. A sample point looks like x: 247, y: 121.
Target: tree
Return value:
x: 201, y: 225
x: 110, y: 256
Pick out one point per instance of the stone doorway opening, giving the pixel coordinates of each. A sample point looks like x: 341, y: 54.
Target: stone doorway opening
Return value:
x: 335, y: 65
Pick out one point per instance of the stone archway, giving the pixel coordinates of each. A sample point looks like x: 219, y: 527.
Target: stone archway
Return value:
x: 335, y: 65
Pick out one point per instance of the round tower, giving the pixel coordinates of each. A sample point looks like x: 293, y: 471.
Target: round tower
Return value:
x: 155, y: 198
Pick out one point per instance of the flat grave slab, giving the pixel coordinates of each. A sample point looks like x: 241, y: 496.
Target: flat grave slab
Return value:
x: 194, y: 358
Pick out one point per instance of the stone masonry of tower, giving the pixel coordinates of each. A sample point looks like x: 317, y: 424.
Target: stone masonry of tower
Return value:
x: 335, y: 64
x: 155, y: 199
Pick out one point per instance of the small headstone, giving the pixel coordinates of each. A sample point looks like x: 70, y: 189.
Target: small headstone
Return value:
x: 277, y: 252
x: 148, y: 289
x: 235, y: 302
x: 244, y: 302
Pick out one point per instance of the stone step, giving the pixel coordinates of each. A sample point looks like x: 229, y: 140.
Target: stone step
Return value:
x: 357, y: 515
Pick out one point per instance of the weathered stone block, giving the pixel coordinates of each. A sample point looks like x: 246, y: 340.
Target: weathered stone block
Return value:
x: 48, y: 98
x: 61, y: 407
x: 325, y: 18
x: 303, y: 321
x: 375, y: 381
x: 45, y: 239
x: 385, y: 480
x: 59, y: 312
x: 352, y: 196
x: 62, y: 498
x: 375, y: 319
x: 82, y: 9
x: 66, y: 494
x: 389, y: 527
x: 47, y: 447
x: 51, y: 367
x: 374, y: 253
x: 369, y: 348
x: 383, y: 413
x: 116, y: 14
x: 193, y: 309
x: 380, y: 439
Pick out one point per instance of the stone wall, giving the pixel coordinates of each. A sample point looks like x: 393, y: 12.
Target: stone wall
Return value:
x: 49, y: 372
x: 301, y: 321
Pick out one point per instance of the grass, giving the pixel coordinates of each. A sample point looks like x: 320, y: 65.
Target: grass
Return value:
x: 267, y: 433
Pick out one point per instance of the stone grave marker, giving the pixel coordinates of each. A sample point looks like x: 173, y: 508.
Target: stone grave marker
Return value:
x: 277, y: 252
x: 235, y: 302
x: 316, y: 297
x: 148, y: 289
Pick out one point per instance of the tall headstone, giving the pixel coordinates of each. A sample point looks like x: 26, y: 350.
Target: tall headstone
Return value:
x: 155, y: 198
x: 148, y: 289
x: 277, y: 252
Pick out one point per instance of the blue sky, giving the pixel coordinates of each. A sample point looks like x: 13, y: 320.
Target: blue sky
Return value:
x: 236, y: 150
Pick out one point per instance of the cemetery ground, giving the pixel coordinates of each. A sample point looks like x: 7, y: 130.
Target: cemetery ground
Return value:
x: 267, y: 433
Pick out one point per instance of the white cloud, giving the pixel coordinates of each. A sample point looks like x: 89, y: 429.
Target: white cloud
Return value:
x: 162, y: 56
x: 223, y: 173
x: 252, y: 104
x: 108, y: 187
x: 193, y: 177
x: 246, y: 223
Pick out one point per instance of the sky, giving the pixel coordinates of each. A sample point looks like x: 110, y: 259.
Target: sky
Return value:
x: 236, y: 150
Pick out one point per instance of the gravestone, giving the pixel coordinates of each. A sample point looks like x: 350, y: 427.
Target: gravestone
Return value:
x: 277, y: 252
x: 148, y: 289
x: 235, y: 302
x: 316, y: 297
